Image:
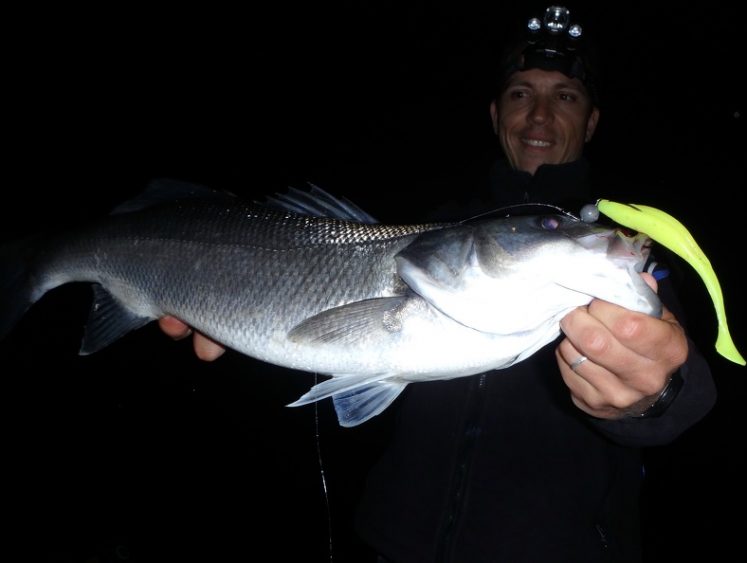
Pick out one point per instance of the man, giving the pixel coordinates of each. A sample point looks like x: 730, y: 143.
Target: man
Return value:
x: 540, y: 461
x: 520, y: 464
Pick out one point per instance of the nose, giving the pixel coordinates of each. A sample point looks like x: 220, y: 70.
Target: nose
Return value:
x: 541, y: 111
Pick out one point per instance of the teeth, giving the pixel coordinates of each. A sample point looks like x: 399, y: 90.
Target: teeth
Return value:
x: 536, y: 143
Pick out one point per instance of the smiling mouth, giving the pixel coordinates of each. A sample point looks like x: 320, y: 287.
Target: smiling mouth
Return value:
x: 536, y: 143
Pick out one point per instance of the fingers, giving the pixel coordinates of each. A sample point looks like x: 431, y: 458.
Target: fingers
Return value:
x: 205, y: 349
x: 650, y: 280
x: 613, y: 359
x: 594, y: 389
x: 630, y: 356
x: 615, y: 336
x: 174, y: 328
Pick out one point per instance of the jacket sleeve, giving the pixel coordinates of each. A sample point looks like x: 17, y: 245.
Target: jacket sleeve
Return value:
x: 694, y: 400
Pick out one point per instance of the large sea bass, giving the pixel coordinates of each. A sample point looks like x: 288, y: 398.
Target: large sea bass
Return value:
x: 375, y: 306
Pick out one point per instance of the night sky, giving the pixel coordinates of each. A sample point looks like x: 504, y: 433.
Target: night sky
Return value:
x: 143, y: 446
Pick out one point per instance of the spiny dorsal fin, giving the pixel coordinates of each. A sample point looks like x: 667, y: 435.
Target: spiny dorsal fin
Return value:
x: 319, y: 203
x: 163, y: 190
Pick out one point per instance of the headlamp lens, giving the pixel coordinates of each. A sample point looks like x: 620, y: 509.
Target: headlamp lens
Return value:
x: 556, y: 19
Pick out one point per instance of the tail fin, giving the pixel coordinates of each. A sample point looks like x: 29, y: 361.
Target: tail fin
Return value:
x: 16, y: 291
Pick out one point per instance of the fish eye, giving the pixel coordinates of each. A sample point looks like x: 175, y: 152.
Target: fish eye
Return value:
x: 550, y: 223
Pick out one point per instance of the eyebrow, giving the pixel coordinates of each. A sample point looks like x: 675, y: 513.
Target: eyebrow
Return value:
x: 556, y: 86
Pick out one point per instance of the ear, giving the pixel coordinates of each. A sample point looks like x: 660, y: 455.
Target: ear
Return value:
x: 591, y: 124
x: 494, y: 116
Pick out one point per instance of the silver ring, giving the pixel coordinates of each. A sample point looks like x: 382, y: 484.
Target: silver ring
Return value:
x: 577, y: 362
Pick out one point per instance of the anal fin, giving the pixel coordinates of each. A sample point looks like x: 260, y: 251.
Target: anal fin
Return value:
x: 361, y: 404
x: 356, y: 398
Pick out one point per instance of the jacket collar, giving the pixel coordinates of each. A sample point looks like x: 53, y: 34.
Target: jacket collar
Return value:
x: 566, y: 185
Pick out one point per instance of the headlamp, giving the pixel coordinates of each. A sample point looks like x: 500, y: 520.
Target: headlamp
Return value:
x: 554, y: 43
x: 556, y: 21
x: 554, y: 38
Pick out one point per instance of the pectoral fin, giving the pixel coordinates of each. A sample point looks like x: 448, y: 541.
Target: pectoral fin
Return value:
x: 349, y: 323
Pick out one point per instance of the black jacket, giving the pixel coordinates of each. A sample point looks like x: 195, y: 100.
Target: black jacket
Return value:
x: 502, y: 467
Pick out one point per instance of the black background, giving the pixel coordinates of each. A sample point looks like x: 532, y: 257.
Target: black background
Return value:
x: 144, y: 447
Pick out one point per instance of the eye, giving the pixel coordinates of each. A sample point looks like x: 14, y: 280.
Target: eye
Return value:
x: 550, y: 223
x: 568, y: 96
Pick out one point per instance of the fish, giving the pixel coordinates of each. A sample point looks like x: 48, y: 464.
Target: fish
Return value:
x: 311, y: 282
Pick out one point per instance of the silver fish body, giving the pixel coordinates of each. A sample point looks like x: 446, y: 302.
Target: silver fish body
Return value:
x: 374, y: 306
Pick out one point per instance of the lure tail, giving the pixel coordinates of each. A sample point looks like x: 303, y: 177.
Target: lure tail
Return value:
x: 669, y: 232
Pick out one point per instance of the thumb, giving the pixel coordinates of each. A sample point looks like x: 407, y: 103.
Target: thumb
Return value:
x: 650, y: 280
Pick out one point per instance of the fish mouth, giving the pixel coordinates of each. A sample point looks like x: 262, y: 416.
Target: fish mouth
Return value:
x: 634, y: 247
x: 620, y: 245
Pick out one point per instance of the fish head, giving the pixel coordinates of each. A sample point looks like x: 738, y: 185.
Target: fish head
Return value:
x: 507, y: 275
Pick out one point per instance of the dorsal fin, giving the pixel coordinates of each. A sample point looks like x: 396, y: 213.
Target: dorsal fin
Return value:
x: 162, y: 190
x: 318, y: 203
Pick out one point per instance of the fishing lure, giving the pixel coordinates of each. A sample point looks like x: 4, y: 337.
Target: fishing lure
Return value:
x: 669, y: 232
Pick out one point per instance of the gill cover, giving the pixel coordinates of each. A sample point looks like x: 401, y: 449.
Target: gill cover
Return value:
x: 672, y: 234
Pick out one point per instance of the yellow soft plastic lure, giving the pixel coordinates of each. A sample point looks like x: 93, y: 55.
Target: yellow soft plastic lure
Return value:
x: 669, y: 232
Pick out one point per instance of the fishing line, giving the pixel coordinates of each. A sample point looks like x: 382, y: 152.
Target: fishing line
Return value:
x: 523, y: 209
x: 317, y: 437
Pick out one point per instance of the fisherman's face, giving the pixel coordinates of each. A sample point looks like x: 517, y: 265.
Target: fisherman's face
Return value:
x: 543, y: 117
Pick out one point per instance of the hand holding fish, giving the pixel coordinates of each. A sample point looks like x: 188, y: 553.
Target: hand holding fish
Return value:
x: 205, y: 349
x: 630, y: 357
